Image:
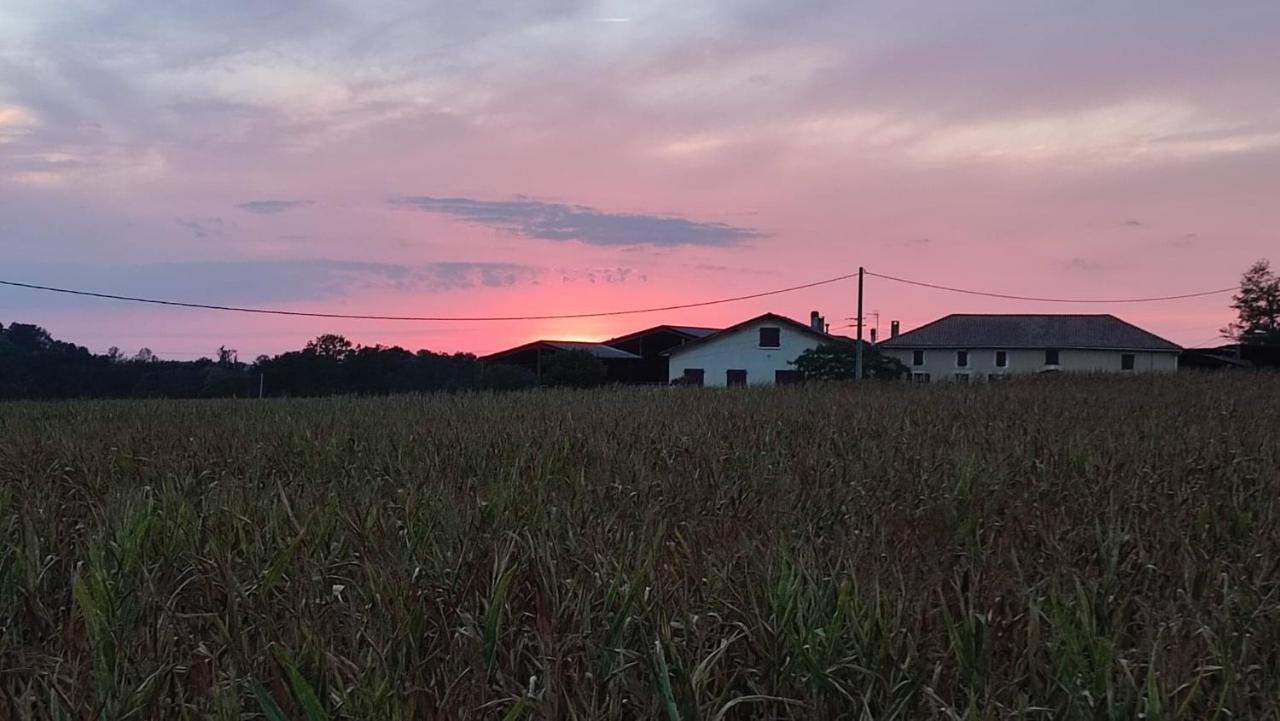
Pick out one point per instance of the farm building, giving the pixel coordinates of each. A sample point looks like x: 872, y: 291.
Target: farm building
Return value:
x: 619, y: 364
x: 964, y: 347
x: 652, y: 344
x: 759, y: 351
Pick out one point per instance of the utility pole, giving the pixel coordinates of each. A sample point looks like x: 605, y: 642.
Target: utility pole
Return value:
x: 262, y: 382
x: 857, y: 363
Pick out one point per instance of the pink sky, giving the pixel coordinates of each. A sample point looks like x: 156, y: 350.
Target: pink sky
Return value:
x: 544, y: 157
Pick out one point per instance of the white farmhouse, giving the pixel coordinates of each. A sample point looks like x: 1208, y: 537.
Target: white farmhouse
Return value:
x: 964, y: 347
x: 759, y: 351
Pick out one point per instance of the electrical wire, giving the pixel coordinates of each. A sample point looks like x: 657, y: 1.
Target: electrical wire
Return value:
x: 1053, y: 300
x: 600, y: 314
x: 434, y: 319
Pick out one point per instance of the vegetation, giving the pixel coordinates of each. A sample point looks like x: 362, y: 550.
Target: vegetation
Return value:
x: 1257, y: 306
x: 838, y: 361
x: 1071, y: 548
x: 34, y: 365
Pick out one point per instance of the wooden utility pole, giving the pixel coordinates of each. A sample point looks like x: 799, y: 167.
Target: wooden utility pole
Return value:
x: 857, y: 363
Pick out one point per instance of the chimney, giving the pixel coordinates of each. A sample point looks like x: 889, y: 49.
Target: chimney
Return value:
x: 893, y: 330
x: 817, y: 322
x: 873, y: 336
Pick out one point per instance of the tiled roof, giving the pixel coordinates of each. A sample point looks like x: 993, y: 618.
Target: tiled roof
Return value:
x: 690, y: 331
x: 769, y: 317
x: 1105, y: 332
x: 695, y: 331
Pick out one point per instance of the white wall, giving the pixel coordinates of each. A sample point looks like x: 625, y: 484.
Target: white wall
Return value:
x: 741, y: 350
x: 940, y: 364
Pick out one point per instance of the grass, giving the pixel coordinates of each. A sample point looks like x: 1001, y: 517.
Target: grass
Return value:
x: 1075, y: 548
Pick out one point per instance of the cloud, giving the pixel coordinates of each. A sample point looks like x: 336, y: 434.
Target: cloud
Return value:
x: 244, y: 282
x: 1134, y: 223
x: 203, y: 228
x: 271, y: 207
x: 606, y: 276
x: 556, y: 221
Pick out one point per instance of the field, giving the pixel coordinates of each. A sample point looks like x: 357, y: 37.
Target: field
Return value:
x: 1083, y: 548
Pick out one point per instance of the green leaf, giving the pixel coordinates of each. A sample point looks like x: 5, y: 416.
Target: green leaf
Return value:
x: 268, y: 704
x: 302, y: 691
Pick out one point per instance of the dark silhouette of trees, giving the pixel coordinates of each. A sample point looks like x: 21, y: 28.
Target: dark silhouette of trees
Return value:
x: 35, y: 365
x: 1257, y: 307
x: 837, y: 361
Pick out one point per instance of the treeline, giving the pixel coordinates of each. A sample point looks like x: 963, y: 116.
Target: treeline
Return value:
x: 34, y: 365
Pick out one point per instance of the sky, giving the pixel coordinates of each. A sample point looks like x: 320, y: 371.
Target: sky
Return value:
x: 540, y: 157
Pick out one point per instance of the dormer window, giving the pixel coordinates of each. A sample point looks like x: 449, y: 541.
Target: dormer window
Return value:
x: 770, y: 337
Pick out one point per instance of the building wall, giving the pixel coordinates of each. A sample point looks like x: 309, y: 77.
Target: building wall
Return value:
x: 652, y: 348
x: 940, y: 364
x: 741, y: 350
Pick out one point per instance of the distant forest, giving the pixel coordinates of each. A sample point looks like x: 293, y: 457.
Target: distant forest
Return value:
x: 34, y: 365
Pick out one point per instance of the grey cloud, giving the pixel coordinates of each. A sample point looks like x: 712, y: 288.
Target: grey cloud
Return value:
x: 556, y: 221
x: 249, y: 283
x: 608, y: 276
x: 203, y: 228
x: 271, y: 207
x: 1134, y: 223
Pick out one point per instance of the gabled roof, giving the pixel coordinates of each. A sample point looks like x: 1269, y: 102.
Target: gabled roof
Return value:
x: 691, y: 332
x: 599, y: 350
x: 766, y: 317
x: 973, y: 330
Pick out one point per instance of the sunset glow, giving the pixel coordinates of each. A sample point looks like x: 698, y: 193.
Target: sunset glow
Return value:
x: 544, y: 158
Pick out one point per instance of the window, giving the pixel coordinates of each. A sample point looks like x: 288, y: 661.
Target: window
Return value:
x: 1002, y: 359
x: 962, y: 359
x: 962, y: 378
x: 1126, y: 361
x: 770, y: 338
x: 917, y: 357
x: 693, y: 376
x: 1051, y: 357
x: 997, y: 377
x: 735, y: 377
x: 920, y: 377
x: 785, y: 378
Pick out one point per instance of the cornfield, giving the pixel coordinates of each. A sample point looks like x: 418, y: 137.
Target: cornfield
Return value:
x: 1071, y: 548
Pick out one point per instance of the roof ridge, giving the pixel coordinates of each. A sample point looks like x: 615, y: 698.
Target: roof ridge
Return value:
x: 1033, y: 330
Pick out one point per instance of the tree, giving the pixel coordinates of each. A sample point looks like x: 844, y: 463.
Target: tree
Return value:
x: 227, y: 356
x: 837, y: 361
x: 1257, y: 306
x: 574, y: 369
x: 330, y: 345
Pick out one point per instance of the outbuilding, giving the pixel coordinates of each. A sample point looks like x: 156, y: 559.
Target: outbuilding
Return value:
x: 619, y: 364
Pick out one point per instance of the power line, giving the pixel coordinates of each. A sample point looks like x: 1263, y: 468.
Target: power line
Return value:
x: 600, y: 314
x: 438, y: 319
x: 1053, y: 300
